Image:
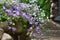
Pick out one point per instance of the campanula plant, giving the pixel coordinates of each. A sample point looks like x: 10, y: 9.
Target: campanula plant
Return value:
x: 24, y: 19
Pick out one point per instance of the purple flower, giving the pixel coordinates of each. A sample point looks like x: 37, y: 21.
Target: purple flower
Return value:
x: 23, y: 5
x: 36, y: 23
x: 14, y: 6
x: 10, y: 22
x: 5, y: 5
x: 25, y: 15
x: 37, y: 30
x: 40, y: 25
x: 13, y: 28
x: 16, y: 12
x: 34, y: 35
x: 8, y: 11
x: 29, y: 14
x: 31, y: 22
x: 37, y: 27
x: 36, y: 8
x: 9, y: 28
x: 31, y: 18
x: 30, y: 29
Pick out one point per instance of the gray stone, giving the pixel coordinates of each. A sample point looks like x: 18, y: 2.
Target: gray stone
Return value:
x: 57, y: 18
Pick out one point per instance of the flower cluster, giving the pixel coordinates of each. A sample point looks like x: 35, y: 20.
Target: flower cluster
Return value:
x: 30, y: 12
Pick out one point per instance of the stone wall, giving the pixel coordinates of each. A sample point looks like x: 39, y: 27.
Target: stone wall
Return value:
x: 54, y: 8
